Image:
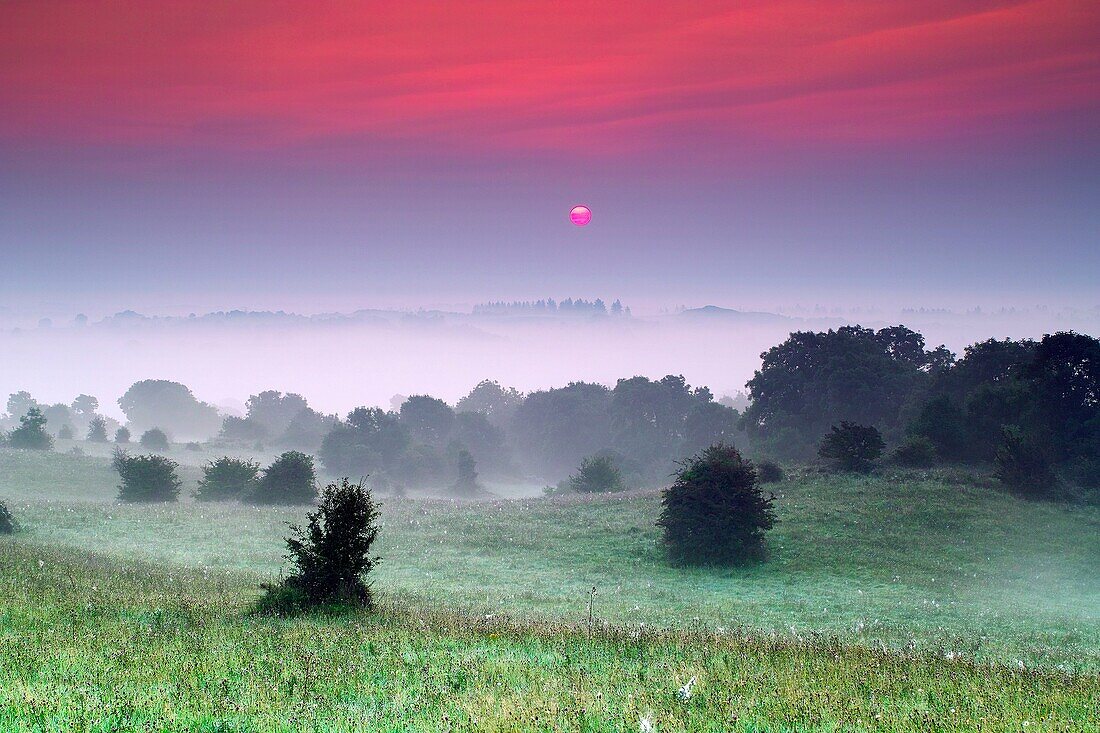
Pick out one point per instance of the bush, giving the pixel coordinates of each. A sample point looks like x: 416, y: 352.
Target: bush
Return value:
x: 331, y: 556
x: 193, y: 447
x: 769, y: 472
x: 7, y: 521
x: 466, y: 483
x: 597, y: 474
x: 146, y: 478
x: 290, y: 479
x: 97, y: 430
x: 851, y: 447
x: 31, y: 433
x: 714, y: 512
x: 916, y: 452
x: 154, y: 439
x: 1024, y: 464
x: 66, y: 432
x: 122, y: 435
x: 227, y: 478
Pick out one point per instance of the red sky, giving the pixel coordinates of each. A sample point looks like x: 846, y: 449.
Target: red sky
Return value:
x: 509, y: 78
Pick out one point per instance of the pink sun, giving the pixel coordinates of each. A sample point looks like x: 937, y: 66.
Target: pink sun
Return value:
x: 580, y: 215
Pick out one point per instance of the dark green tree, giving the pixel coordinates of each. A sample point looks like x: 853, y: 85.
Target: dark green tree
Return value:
x: 290, y: 479
x: 122, y: 435
x: 369, y: 441
x: 31, y: 433
x: 466, y: 483
x: 8, y: 524
x: 554, y: 429
x: 97, y: 430
x: 597, y: 474
x: 154, y: 439
x: 714, y: 512
x: 429, y: 420
x: 851, y: 447
x: 332, y: 554
x: 227, y: 478
x: 150, y: 478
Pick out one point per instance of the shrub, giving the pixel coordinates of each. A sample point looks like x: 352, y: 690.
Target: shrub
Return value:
x: 122, y: 435
x: 916, y: 452
x: 227, y: 478
x: 851, y: 447
x: 769, y: 472
x: 714, y: 512
x: 7, y: 521
x: 466, y: 482
x: 146, y: 478
x: 193, y: 447
x: 66, y: 432
x: 290, y: 479
x: 154, y: 439
x: 97, y: 430
x: 1024, y: 464
x: 31, y: 433
x: 597, y: 474
x: 331, y: 556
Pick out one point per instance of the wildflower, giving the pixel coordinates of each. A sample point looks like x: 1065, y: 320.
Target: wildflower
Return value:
x: 645, y: 725
x: 684, y: 692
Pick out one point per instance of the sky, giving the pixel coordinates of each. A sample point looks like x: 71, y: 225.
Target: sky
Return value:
x: 183, y: 156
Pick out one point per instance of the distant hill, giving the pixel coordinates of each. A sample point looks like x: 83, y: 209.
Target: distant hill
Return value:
x: 714, y: 312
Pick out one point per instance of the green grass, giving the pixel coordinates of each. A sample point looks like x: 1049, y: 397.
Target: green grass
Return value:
x: 89, y: 643
x: 903, y: 596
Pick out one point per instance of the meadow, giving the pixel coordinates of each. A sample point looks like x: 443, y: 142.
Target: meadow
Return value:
x: 904, y: 601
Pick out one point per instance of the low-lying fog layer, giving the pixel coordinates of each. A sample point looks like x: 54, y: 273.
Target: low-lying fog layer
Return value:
x: 341, y: 361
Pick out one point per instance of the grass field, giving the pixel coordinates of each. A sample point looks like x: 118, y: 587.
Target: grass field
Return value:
x: 904, y: 597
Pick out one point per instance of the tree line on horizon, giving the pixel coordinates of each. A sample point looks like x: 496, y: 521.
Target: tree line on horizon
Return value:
x: 1029, y: 408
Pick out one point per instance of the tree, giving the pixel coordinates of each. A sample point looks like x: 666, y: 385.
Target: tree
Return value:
x: 170, y: 406
x: 369, y: 441
x: 465, y: 483
x: 708, y: 423
x: 429, y: 420
x: 8, y: 524
x: 814, y: 380
x: 31, y: 433
x: 714, y: 512
x: 61, y: 417
x: 307, y: 430
x: 851, y: 447
x: 486, y: 443
x: 154, y: 439
x: 916, y: 452
x: 97, y: 430
x: 647, y: 419
x: 150, y: 478
x: 83, y: 410
x: 273, y: 411
x: 497, y: 403
x: 290, y: 479
x: 122, y: 435
x: 941, y: 421
x: 1024, y: 464
x: 597, y: 474
x: 554, y: 429
x: 227, y: 478
x: 20, y: 403
x: 769, y: 472
x: 242, y: 430
x: 332, y: 555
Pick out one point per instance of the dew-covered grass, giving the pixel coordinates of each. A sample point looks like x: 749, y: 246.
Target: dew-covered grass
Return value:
x: 96, y: 643
x: 939, y: 562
